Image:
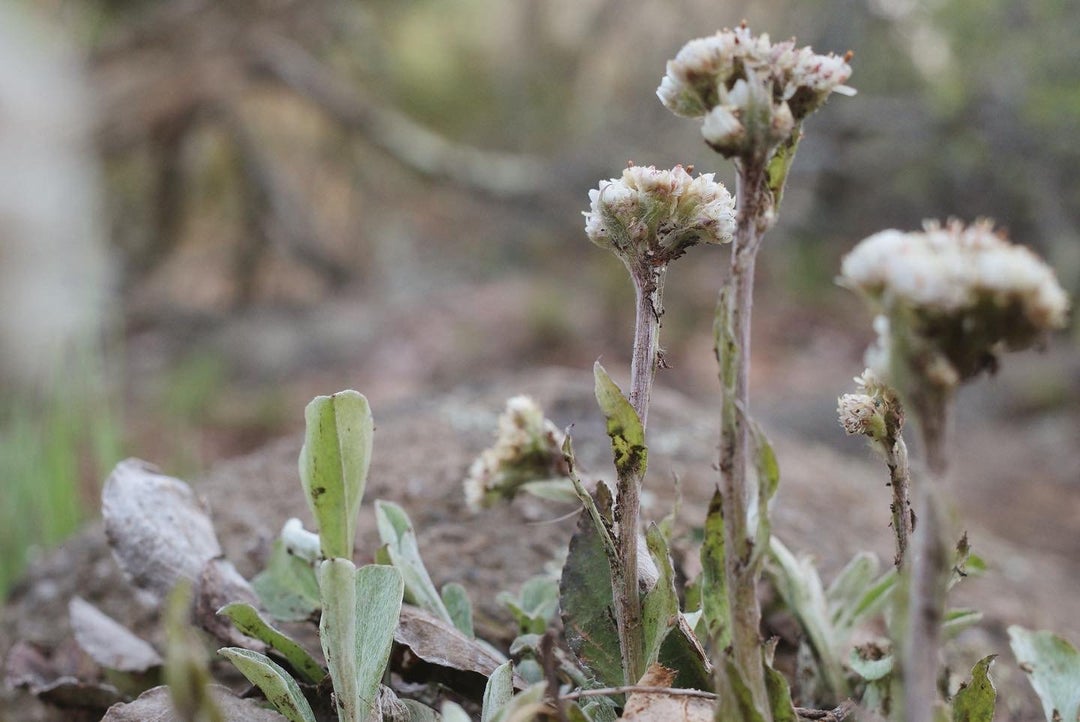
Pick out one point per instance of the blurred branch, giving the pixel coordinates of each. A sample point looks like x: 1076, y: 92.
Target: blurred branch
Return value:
x: 502, y: 175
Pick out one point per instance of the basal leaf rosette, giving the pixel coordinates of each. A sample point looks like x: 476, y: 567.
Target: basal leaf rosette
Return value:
x: 752, y: 93
x: 953, y: 298
x: 649, y: 216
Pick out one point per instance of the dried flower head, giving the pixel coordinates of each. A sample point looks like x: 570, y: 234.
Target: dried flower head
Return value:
x: 650, y: 216
x: 961, y: 294
x: 751, y: 92
x: 528, y: 448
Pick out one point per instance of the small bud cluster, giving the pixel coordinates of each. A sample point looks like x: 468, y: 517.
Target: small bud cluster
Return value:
x: 874, y: 412
x: 528, y: 448
x: 963, y: 294
x: 650, y: 217
x: 751, y: 92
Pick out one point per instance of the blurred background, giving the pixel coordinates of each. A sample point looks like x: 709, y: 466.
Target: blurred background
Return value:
x: 212, y: 210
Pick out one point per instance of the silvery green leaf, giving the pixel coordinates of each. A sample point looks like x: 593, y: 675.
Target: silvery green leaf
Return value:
x: 396, y: 533
x: 1053, y: 668
x: 525, y: 706
x: 287, y: 588
x: 660, y: 608
x: 457, y: 603
x: 246, y: 618
x: 869, y: 669
x: 452, y: 712
x: 280, y: 689
x: 499, y: 690
x: 334, y: 466
x: 957, y: 620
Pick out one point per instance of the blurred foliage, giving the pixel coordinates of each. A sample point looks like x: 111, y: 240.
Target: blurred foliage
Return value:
x: 56, y: 444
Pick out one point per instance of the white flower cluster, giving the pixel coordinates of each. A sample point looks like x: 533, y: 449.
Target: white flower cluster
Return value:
x: 528, y: 448
x: 965, y: 289
x: 652, y: 216
x: 750, y: 91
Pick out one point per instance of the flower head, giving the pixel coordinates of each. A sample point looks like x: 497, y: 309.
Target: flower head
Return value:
x: 874, y: 411
x: 751, y: 92
x: 961, y: 294
x: 651, y: 216
x: 528, y: 448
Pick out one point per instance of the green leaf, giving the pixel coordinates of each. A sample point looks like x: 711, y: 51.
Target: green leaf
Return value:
x: 396, y: 532
x: 334, y: 466
x: 623, y: 426
x: 776, y: 686
x: 457, y: 603
x: 419, y: 712
x: 957, y: 620
x: 660, y: 609
x: 868, y: 668
x: 287, y: 587
x: 780, y: 164
x: 974, y: 702
x: 800, y: 586
x: 536, y: 604
x: 524, y: 706
x: 280, y: 689
x: 246, y: 618
x: 585, y: 602
x: 360, y: 614
x: 498, y: 691
x: 714, y: 593
x: 1053, y: 668
x: 848, y: 586
x: 767, y: 478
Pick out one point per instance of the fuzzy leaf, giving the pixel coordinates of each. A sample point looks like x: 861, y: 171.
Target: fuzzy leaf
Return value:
x: 957, y: 620
x: 457, y: 603
x: 974, y: 702
x: 452, y: 712
x: 277, y: 686
x: 246, y: 618
x: 870, y: 669
x: 396, y: 533
x: 419, y: 712
x: 499, y: 690
x: 334, y: 466
x: 780, y: 165
x: 660, y: 608
x: 287, y: 588
x: 1053, y: 668
x: 360, y: 615
x: 585, y: 602
x: 525, y: 706
x: 623, y: 426
x: 536, y: 604
x: 155, y: 705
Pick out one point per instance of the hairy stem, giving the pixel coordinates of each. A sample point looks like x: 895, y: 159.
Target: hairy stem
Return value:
x: 649, y: 288
x: 735, y: 482
x: 930, y: 566
x: 900, y: 481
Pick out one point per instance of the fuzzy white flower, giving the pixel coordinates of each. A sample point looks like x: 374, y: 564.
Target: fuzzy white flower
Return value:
x: 751, y: 92
x: 528, y: 448
x: 856, y: 412
x: 965, y: 290
x: 651, y: 216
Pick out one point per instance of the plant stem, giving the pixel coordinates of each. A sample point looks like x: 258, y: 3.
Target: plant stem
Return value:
x: 742, y: 574
x: 649, y: 289
x: 931, y: 564
x: 900, y: 481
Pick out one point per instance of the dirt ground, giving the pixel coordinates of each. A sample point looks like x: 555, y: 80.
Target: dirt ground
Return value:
x: 1017, y: 474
